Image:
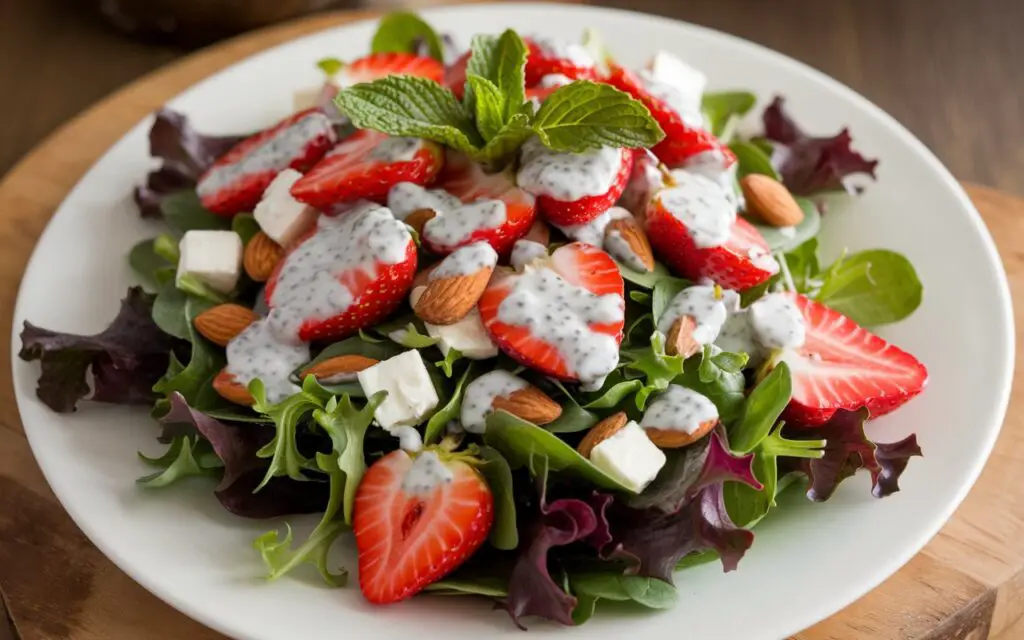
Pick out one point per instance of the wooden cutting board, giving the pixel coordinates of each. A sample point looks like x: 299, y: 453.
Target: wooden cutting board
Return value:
x: 967, y: 583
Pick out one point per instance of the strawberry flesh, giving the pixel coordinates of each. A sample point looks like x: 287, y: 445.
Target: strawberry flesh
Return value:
x: 415, y: 521
x: 544, y: 171
x: 844, y: 366
x: 544, y: 60
x: 236, y: 182
x: 381, y: 65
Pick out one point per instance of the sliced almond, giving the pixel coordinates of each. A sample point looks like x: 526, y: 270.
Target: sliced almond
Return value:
x: 634, y: 237
x: 675, y: 438
x: 222, y: 324
x: 419, y: 218
x: 539, y: 233
x: 261, y: 257
x: 448, y: 300
x: 228, y: 388
x: 601, y: 432
x: 530, y: 404
x: 679, y: 341
x: 770, y: 200
x: 339, y: 368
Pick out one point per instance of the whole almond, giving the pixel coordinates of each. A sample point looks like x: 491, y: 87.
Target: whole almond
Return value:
x: 222, y: 324
x: 679, y: 341
x: 675, y: 438
x: 419, y: 218
x: 261, y: 256
x: 629, y: 230
x: 339, y: 368
x: 770, y: 200
x: 601, y: 432
x: 228, y: 388
x: 448, y: 300
x: 530, y: 404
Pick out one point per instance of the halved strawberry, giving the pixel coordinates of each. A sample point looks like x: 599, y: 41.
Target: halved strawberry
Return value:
x: 415, y: 520
x: 681, y: 140
x: 365, y: 166
x: 381, y: 65
x: 455, y: 75
x: 560, y: 180
x: 694, y: 229
x: 562, y: 315
x: 236, y: 182
x: 550, y: 56
x: 369, y: 255
x: 844, y: 366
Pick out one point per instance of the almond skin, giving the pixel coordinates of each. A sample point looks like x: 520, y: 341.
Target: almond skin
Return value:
x: 679, y: 341
x: 448, y: 300
x: 770, y: 201
x: 341, y: 367
x: 630, y: 231
x: 419, y: 218
x: 222, y: 324
x: 228, y: 388
x: 530, y: 404
x: 261, y: 257
x: 676, y: 438
x: 601, y: 432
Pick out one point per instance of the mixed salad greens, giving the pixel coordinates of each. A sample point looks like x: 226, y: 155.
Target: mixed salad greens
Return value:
x: 560, y: 517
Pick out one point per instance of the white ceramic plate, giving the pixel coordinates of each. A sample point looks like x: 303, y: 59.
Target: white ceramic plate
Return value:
x: 805, y: 564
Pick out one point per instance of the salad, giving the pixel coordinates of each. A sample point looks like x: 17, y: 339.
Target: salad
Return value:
x: 525, y: 323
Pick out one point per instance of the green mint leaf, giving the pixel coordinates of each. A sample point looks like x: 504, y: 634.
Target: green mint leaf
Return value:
x: 410, y: 106
x: 330, y: 66
x: 502, y: 61
x: 586, y: 115
x: 488, y: 106
x: 501, y: 149
x: 723, y: 107
x: 402, y: 32
x: 872, y: 287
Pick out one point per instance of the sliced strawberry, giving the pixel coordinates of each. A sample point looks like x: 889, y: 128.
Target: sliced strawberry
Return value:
x: 455, y: 75
x: 550, y: 57
x: 557, y: 179
x: 236, y: 182
x: 720, y: 246
x: 844, y: 366
x: 365, y: 166
x: 563, y: 315
x: 681, y: 140
x: 366, y: 251
x: 415, y: 521
x: 380, y: 65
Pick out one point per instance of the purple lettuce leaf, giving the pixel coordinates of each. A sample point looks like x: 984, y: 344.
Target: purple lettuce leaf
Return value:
x: 809, y: 165
x: 126, y: 358
x: 848, y: 449
x: 185, y: 155
x: 236, y: 445
x: 686, y: 518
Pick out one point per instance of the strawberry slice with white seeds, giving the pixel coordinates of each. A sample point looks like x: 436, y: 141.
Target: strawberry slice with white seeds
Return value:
x: 693, y: 227
x: 380, y: 65
x: 416, y: 520
x: 236, y: 182
x: 562, y: 315
x: 574, y: 188
x: 842, y: 365
x: 348, y: 273
x: 365, y: 166
x: 551, y: 56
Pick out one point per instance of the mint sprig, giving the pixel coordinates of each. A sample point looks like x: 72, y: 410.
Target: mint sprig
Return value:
x: 587, y: 115
x: 496, y: 77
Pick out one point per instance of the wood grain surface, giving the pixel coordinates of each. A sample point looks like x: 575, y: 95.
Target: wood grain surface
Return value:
x: 968, y: 583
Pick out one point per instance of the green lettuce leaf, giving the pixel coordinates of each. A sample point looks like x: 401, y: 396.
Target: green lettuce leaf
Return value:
x: 498, y: 475
x: 283, y: 450
x: 872, y: 287
x: 723, y: 108
x: 438, y: 422
x: 589, y: 587
x: 402, y: 32
x: 185, y: 457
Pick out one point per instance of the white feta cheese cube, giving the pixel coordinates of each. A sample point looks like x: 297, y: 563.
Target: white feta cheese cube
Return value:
x: 212, y: 257
x: 629, y: 456
x: 281, y: 216
x: 411, y: 393
x: 672, y: 71
x: 468, y: 335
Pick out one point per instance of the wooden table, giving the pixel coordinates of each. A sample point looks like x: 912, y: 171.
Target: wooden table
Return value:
x: 967, y: 583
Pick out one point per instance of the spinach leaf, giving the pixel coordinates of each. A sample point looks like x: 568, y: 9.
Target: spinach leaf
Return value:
x: 664, y: 290
x: 498, y: 475
x: 450, y: 411
x: 245, y: 225
x: 453, y: 585
x: 752, y: 159
x: 614, y: 395
x: 613, y: 585
x: 206, y: 360
x: 647, y: 279
x: 872, y: 287
x: 722, y: 107
x: 789, y: 238
x: 183, y: 212
x: 761, y: 410
x: 153, y: 269
x: 725, y: 389
x: 574, y: 418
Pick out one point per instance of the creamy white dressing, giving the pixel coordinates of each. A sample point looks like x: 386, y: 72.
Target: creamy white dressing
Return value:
x: 480, y: 394
x: 396, y: 149
x: 643, y: 183
x: 273, y: 155
x: 258, y: 352
x: 702, y: 206
x: 684, y: 102
x: 560, y: 314
x: 466, y: 261
x: 426, y: 474
x: 592, y: 232
x: 679, y: 409
x: 312, y: 283
x: 777, y: 322
x: 567, y: 176
x: 409, y: 439
x: 406, y: 197
x: 763, y: 260
x: 526, y: 251
x: 554, y: 80
x: 619, y: 248
x: 455, y: 227
x: 701, y: 304
x: 552, y: 47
